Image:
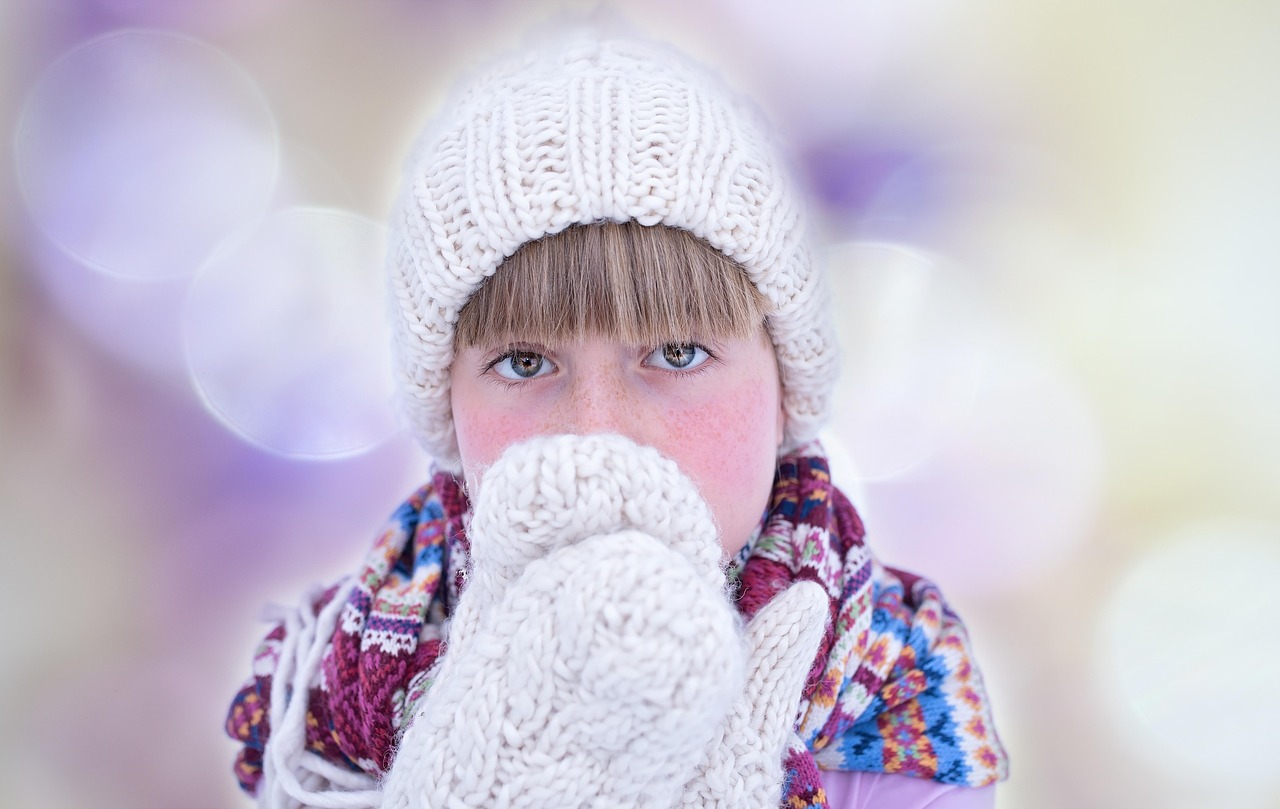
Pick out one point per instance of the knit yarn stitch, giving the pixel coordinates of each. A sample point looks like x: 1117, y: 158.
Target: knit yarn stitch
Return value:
x: 595, y: 658
x: 894, y: 687
x: 588, y: 130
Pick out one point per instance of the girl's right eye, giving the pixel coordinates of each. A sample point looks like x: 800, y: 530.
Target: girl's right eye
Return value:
x: 522, y: 365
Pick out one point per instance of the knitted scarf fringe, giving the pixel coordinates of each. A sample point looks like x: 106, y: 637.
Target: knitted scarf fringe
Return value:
x: 292, y: 776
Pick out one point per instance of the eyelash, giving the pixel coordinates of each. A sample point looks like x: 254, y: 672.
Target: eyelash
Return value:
x: 488, y: 372
x: 701, y: 366
x: 506, y: 355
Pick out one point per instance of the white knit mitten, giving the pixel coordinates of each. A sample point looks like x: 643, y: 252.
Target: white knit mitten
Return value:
x: 742, y: 767
x: 593, y: 656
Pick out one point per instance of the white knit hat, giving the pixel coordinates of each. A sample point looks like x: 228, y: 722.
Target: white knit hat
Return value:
x: 583, y: 131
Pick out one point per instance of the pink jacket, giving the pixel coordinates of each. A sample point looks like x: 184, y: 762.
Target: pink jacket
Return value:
x: 872, y: 790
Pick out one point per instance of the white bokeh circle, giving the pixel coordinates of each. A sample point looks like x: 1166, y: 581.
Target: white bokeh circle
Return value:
x: 916, y: 345
x: 1010, y: 490
x: 137, y: 152
x: 1187, y: 655
x: 287, y: 338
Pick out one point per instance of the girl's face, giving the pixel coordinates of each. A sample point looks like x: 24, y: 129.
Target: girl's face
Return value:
x: 712, y: 407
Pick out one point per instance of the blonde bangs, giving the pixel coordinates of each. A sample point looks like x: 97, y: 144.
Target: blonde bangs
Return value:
x: 623, y: 281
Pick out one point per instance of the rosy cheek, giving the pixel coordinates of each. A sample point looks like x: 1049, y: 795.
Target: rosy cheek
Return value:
x: 482, y: 436
x: 729, y: 449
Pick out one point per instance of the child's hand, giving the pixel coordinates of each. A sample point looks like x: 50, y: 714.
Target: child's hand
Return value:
x: 742, y: 767
x: 593, y: 654
x: 553, y: 491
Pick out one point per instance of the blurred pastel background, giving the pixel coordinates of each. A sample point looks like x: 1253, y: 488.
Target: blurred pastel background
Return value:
x: 1053, y: 233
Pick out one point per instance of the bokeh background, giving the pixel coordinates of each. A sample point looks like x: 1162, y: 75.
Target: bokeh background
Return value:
x: 1052, y: 228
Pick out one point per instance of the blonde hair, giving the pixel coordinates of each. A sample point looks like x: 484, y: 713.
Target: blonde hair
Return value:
x: 619, y: 280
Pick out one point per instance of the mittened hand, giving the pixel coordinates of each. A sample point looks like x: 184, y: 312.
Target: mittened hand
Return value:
x: 551, y: 492
x: 742, y: 766
x: 593, y: 655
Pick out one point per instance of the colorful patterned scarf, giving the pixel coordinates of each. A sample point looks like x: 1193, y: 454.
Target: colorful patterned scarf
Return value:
x: 894, y: 687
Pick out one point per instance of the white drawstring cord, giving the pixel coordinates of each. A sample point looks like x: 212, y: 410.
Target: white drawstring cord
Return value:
x: 294, y: 777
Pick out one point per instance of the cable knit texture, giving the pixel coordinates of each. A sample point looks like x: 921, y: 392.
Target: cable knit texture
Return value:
x: 594, y: 658
x: 585, y: 130
x: 569, y: 682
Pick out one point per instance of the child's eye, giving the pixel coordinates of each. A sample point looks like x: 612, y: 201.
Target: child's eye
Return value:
x: 678, y: 356
x: 520, y: 365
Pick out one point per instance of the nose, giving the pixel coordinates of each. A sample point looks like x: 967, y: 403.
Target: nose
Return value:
x: 599, y: 401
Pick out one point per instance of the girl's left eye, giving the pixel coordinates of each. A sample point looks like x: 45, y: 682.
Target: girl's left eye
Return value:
x: 678, y: 356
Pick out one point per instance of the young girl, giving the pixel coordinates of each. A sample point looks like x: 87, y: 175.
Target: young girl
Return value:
x: 612, y: 339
